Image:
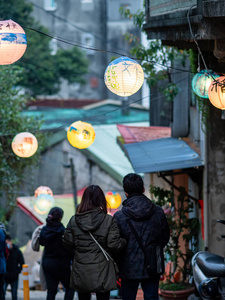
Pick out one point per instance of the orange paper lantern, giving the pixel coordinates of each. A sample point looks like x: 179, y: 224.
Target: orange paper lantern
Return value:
x: 113, y: 199
x: 43, y: 190
x: 216, y: 92
x: 13, y: 42
x: 24, y: 144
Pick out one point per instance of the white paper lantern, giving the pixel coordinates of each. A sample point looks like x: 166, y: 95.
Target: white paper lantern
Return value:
x: 13, y: 42
x: 124, y: 76
x: 24, y: 144
x: 217, y: 92
x: 43, y: 203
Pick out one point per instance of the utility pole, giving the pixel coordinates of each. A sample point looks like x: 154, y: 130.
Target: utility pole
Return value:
x: 73, y: 181
x: 125, y: 106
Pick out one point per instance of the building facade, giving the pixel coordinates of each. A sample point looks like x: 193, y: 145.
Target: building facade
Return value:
x: 198, y: 25
x: 96, y: 27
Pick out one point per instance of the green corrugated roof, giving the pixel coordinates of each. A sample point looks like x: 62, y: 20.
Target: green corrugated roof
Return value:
x: 107, y: 153
x: 102, y: 114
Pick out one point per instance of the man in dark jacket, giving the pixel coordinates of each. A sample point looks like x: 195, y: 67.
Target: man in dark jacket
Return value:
x: 14, y: 265
x: 151, y: 226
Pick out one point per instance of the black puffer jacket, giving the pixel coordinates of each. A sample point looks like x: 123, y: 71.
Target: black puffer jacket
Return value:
x: 90, y: 268
x: 51, y: 238
x: 150, y: 224
x: 14, y: 264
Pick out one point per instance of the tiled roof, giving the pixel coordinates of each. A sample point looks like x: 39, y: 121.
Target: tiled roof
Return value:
x: 135, y: 134
x: 69, y: 103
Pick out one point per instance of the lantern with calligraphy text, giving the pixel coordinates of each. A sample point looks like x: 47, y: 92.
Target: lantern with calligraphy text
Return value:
x: 13, y: 42
x: 201, y: 82
x: 124, y: 76
x: 24, y: 144
x: 113, y: 199
x: 43, y: 190
x: 43, y: 203
x: 81, y: 135
x: 217, y: 92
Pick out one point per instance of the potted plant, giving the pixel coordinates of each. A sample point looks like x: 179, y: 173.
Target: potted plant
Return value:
x: 183, y: 241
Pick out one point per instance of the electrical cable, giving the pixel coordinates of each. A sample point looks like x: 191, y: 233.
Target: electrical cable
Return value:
x: 87, y: 118
x: 74, y: 26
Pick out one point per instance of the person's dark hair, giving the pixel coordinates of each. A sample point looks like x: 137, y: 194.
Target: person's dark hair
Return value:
x: 8, y: 237
x: 55, y: 214
x: 92, y: 198
x: 133, y: 184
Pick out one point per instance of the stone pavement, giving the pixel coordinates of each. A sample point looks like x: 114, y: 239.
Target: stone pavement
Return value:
x: 39, y: 295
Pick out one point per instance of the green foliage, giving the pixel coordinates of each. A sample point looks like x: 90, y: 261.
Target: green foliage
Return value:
x: 183, y: 229
x: 172, y: 286
x: 42, y: 71
x: 156, y: 59
x: 12, y: 102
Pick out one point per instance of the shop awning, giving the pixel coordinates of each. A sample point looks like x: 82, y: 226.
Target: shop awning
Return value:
x: 160, y: 155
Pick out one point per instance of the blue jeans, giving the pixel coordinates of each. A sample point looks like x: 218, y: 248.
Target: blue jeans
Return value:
x: 14, y: 288
x: 149, y: 286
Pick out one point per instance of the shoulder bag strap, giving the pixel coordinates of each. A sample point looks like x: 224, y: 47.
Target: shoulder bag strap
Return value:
x: 106, y: 254
x: 136, y: 236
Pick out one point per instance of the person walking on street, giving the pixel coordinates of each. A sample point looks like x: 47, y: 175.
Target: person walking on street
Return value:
x: 2, y: 259
x: 143, y: 224
x: 14, y: 265
x: 87, y: 232
x: 56, y: 260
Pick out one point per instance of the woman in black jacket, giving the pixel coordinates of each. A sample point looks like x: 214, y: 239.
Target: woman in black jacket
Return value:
x: 90, y: 270
x: 56, y: 260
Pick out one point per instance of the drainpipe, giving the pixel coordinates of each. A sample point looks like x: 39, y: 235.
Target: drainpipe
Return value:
x: 205, y: 192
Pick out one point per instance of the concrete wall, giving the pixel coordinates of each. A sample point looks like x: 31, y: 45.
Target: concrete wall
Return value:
x: 158, y: 7
x: 216, y: 181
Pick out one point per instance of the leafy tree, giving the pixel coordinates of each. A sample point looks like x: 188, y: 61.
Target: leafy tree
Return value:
x: 41, y: 71
x: 184, y: 230
x: 12, y: 102
x: 156, y: 59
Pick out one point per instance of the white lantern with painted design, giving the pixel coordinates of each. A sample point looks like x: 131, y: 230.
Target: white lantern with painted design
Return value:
x: 13, y: 42
x: 24, y: 144
x: 124, y: 76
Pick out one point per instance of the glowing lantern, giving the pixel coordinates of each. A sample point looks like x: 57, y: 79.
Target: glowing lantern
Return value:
x: 24, y: 144
x: 43, y: 190
x: 217, y: 92
x: 13, y: 42
x: 114, y: 199
x: 81, y: 135
x: 124, y: 76
x: 201, y: 82
x: 43, y: 203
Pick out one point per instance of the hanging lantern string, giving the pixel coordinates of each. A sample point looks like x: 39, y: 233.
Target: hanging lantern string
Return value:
x: 198, y: 48
x: 97, y: 37
x: 26, y: 61
x: 192, y: 34
x: 107, y: 51
x: 71, y: 43
x: 77, y: 27
x: 97, y: 116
